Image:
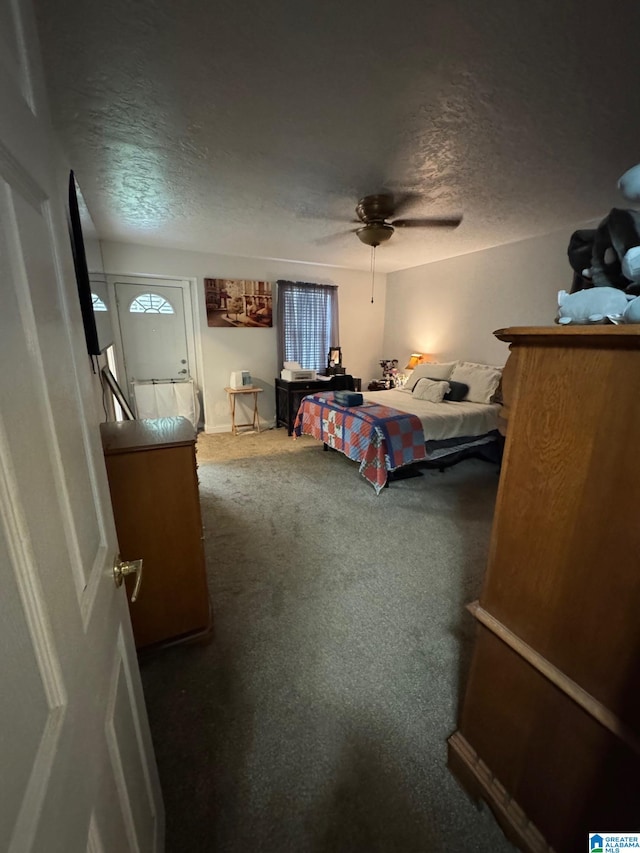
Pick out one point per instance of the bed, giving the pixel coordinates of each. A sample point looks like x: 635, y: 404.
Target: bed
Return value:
x: 395, y: 429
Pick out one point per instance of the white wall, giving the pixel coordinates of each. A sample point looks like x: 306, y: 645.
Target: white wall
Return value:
x: 451, y: 308
x: 224, y: 350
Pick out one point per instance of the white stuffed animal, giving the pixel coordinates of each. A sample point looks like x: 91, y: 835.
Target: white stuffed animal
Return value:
x: 632, y: 311
x: 631, y: 265
x: 593, y: 305
x: 629, y: 184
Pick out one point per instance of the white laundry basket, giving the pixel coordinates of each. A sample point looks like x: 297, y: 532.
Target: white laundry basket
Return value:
x: 166, y: 399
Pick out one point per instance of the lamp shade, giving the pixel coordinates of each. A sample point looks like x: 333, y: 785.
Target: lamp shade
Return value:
x: 417, y: 358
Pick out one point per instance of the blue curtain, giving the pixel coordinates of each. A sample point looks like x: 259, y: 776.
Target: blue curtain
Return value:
x: 308, y: 323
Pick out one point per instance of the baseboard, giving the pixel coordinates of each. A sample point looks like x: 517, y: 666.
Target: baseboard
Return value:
x: 478, y: 781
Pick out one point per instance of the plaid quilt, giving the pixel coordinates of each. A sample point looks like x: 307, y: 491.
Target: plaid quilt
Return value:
x: 380, y: 438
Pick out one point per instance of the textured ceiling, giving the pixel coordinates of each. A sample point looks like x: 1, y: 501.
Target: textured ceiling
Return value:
x: 252, y: 128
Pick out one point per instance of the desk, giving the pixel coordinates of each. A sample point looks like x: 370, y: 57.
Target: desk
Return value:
x: 235, y: 392
x: 290, y: 394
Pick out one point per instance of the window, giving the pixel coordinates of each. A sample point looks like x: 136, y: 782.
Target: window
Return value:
x: 307, y: 323
x: 98, y: 304
x: 150, y: 303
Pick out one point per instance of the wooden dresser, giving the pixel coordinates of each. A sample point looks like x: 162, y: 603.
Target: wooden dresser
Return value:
x: 151, y: 468
x: 549, y: 733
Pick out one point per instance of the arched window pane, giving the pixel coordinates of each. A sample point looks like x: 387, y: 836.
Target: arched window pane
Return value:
x: 150, y: 303
x: 98, y: 304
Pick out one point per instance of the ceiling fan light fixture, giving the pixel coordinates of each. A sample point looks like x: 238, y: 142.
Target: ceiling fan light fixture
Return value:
x: 375, y: 233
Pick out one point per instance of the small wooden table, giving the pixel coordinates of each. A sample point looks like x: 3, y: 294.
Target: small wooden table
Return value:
x: 233, y: 393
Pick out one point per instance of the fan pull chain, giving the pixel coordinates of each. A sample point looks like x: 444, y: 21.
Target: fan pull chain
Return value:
x: 373, y: 270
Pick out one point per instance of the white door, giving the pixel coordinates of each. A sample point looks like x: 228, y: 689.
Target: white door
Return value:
x: 77, y: 771
x: 154, y: 321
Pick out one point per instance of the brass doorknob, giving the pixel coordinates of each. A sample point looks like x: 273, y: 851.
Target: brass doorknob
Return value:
x: 122, y: 568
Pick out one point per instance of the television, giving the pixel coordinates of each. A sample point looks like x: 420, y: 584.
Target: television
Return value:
x: 90, y: 276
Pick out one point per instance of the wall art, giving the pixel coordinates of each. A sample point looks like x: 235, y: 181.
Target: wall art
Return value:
x: 238, y: 303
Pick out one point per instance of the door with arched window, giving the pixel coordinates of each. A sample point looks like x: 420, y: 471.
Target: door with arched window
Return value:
x: 154, y: 323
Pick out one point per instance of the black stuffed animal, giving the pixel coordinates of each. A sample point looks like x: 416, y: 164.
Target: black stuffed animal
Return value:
x: 597, y: 256
x: 580, y: 251
x: 609, y: 255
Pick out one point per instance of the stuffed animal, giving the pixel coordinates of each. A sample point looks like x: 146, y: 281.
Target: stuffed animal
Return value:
x: 593, y: 305
x: 606, y: 264
x: 631, y: 268
x: 609, y: 256
x: 629, y: 184
x: 580, y: 251
x: 632, y: 311
x: 615, y: 238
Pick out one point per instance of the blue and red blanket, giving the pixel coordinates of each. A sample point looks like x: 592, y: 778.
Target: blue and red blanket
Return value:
x: 380, y: 438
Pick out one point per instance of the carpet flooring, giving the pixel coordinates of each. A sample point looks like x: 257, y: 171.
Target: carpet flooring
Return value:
x: 316, y: 719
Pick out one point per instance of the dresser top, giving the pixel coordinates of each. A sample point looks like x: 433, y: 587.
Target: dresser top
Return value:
x: 146, y: 434
x: 624, y: 336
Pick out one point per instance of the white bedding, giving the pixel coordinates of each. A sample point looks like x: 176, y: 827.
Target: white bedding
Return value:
x: 440, y: 420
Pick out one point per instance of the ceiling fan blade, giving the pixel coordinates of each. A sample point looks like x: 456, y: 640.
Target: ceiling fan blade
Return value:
x: 333, y: 238
x: 403, y: 200
x: 429, y: 222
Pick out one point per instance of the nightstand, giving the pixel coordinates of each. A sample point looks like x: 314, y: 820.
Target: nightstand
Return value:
x: 290, y: 394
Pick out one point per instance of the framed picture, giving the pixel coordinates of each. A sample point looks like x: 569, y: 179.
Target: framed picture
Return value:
x: 118, y: 396
x: 335, y: 357
x: 238, y: 303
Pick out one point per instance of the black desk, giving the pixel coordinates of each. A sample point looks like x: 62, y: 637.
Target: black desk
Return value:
x: 289, y: 395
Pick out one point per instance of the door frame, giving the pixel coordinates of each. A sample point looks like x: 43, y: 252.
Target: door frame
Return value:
x: 191, y: 322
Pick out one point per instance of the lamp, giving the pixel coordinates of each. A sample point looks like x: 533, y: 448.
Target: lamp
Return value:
x: 374, y: 233
x: 418, y: 358
x: 415, y: 358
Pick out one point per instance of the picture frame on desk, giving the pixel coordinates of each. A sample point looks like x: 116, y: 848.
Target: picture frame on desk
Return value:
x: 334, y: 363
x: 335, y: 357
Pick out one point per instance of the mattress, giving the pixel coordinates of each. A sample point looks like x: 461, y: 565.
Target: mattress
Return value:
x: 441, y: 420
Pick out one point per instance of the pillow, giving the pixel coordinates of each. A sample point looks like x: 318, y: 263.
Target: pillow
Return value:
x: 458, y: 392
x: 482, y: 380
x: 431, y: 390
x: 429, y: 370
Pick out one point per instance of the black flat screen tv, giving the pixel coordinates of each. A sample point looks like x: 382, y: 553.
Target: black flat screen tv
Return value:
x: 82, y: 271
x: 90, y: 278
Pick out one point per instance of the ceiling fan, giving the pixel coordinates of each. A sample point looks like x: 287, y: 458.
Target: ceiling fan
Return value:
x: 374, y: 211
